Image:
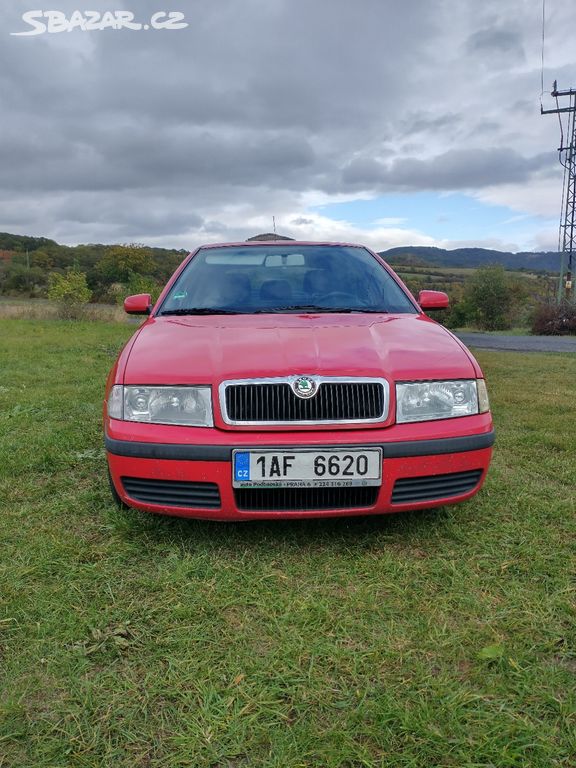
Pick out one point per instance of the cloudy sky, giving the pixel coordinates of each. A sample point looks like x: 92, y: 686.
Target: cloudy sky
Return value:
x: 375, y: 121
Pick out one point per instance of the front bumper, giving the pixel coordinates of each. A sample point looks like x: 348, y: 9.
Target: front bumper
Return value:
x: 424, y: 465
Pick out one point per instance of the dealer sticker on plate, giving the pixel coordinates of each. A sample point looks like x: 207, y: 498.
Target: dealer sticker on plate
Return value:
x: 307, y: 468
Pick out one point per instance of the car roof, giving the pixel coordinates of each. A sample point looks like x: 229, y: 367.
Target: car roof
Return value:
x: 279, y: 243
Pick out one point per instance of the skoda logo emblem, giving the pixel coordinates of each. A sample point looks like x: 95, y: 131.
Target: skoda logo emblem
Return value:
x: 304, y: 387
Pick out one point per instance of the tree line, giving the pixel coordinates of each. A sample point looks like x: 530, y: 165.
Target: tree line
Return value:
x: 491, y: 298
x: 30, y: 265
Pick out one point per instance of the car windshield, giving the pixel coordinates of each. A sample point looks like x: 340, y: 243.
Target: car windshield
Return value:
x: 285, y: 278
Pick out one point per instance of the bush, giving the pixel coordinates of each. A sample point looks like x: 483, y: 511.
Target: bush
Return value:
x: 142, y: 284
x: 70, y: 292
x: 20, y: 279
x: 493, y: 298
x: 555, y: 319
x: 117, y: 292
x: 459, y: 315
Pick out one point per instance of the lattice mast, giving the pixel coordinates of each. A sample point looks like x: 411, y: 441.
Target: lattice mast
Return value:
x: 567, y: 156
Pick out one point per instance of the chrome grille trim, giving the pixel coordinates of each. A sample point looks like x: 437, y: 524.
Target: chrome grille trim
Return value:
x: 347, y: 395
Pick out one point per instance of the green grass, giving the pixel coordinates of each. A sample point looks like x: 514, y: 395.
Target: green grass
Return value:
x: 20, y: 308
x: 444, y: 638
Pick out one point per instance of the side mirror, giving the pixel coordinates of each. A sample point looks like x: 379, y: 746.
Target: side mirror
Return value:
x: 140, y: 304
x: 433, y: 300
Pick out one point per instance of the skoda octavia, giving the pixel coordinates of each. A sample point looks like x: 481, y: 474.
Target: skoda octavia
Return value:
x: 287, y: 379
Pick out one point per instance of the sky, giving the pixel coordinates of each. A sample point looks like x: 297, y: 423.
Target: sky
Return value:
x: 378, y: 122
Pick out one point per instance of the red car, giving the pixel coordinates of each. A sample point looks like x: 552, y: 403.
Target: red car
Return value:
x: 288, y: 379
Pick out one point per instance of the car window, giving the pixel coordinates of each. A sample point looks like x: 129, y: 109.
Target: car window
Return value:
x: 284, y: 277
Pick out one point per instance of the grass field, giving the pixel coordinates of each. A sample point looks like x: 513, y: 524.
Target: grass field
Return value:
x: 15, y: 308
x: 442, y: 638
x: 457, y: 274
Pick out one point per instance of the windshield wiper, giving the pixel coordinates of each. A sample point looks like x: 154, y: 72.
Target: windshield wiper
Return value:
x: 201, y: 311
x: 269, y: 310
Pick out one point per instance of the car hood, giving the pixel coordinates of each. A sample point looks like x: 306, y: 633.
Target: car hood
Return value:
x: 210, y: 349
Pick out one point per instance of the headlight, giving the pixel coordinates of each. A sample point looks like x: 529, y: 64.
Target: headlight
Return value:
x: 428, y: 400
x: 188, y: 406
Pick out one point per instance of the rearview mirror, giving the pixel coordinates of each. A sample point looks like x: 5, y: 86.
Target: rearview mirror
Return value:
x: 140, y: 304
x: 433, y: 300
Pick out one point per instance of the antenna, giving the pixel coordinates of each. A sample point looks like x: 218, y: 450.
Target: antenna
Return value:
x: 567, y: 157
x: 274, y: 223
x: 542, y: 53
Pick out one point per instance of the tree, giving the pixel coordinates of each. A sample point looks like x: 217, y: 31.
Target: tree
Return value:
x: 490, y: 298
x: 121, y: 262
x: 70, y: 291
x: 42, y: 260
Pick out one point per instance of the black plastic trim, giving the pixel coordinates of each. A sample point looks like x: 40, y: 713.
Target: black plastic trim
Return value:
x: 173, y: 493
x: 404, y: 449
x: 304, y: 499
x: 408, y: 490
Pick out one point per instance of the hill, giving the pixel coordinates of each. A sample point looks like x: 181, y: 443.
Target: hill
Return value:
x: 411, y: 255
x: 418, y: 255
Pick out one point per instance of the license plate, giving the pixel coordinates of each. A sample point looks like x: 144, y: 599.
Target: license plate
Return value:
x: 307, y: 468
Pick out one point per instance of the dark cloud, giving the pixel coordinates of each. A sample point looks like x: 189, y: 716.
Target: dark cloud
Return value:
x: 133, y: 157
x: 501, y: 42
x: 120, y: 134
x: 455, y: 169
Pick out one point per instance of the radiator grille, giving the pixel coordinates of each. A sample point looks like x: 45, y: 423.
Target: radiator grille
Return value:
x: 173, y: 493
x: 275, y: 402
x: 304, y: 499
x: 408, y: 490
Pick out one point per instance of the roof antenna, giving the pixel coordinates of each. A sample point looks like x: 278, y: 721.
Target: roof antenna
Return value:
x: 274, y: 223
